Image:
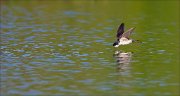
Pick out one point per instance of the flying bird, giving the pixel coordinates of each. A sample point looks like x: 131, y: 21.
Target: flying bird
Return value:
x: 123, y: 37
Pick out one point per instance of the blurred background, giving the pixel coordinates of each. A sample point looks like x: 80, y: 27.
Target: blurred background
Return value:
x: 64, y: 48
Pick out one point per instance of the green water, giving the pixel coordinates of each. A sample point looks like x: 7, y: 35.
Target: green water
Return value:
x: 64, y: 48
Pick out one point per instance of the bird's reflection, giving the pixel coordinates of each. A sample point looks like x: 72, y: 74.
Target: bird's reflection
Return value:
x: 123, y: 60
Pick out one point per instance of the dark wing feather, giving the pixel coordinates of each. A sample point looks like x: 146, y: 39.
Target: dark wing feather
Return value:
x: 120, y: 30
x: 128, y: 33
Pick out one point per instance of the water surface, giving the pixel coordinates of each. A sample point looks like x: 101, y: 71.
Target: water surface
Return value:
x: 65, y: 48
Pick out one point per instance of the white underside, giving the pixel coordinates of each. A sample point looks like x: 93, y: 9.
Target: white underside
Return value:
x: 124, y: 42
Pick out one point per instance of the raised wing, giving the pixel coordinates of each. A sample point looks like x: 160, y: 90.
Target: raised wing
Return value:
x: 128, y: 33
x: 120, y: 31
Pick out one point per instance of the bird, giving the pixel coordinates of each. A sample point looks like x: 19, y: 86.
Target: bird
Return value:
x: 123, y: 37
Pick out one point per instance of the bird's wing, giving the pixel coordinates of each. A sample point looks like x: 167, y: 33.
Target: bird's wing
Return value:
x: 128, y: 33
x: 120, y: 31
